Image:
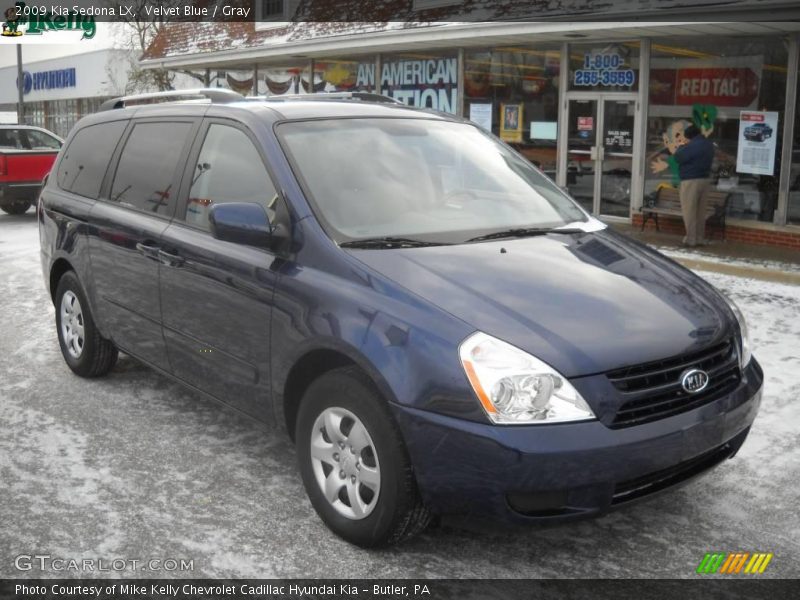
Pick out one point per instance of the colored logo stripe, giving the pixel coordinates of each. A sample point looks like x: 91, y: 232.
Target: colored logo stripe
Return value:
x: 733, y: 562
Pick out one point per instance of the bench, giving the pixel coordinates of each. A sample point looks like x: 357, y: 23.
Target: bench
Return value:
x: 668, y: 202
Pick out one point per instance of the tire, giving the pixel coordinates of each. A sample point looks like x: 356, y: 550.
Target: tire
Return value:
x: 389, y: 503
x: 16, y: 207
x: 85, y: 351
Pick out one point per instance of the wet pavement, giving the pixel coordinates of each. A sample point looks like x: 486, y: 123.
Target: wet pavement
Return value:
x: 135, y: 467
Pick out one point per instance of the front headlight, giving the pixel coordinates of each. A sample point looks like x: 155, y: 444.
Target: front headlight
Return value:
x: 745, y: 350
x: 516, y: 388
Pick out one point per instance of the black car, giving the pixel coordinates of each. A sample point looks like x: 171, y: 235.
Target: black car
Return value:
x: 758, y: 132
x: 436, y: 324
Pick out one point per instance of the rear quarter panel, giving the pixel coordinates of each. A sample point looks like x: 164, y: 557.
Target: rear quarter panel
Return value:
x: 27, y: 167
x: 62, y: 235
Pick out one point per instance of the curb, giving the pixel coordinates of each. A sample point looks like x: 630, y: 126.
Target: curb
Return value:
x: 740, y: 271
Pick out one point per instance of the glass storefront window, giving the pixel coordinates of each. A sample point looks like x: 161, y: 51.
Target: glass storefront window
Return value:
x: 344, y: 74
x: 727, y: 85
x: 422, y: 79
x: 273, y: 80
x: 238, y: 80
x: 793, y: 210
x: 598, y: 67
x: 513, y: 92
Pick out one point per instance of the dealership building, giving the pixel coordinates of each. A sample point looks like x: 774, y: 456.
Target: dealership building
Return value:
x: 59, y: 91
x: 599, y: 106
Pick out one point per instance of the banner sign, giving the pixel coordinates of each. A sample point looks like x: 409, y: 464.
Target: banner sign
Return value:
x: 607, y: 69
x: 728, y: 82
x: 758, y: 136
x: 427, y: 83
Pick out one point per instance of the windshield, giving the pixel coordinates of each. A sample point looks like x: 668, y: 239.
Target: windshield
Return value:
x: 435, y: 181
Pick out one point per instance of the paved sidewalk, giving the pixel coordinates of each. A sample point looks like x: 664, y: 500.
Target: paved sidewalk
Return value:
x: 767, y: 263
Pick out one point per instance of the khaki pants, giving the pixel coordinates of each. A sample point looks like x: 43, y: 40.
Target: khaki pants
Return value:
x: 694, y: 210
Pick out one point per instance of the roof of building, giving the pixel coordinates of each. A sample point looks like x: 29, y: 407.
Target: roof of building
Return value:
x: 320, y: 20
x: 178, y: 39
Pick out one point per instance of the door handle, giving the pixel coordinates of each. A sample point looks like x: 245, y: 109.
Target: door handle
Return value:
x: 171, y: 260
x: 149, y: 250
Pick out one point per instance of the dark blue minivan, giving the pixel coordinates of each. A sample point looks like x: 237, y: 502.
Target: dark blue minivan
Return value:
x: 437, y: 325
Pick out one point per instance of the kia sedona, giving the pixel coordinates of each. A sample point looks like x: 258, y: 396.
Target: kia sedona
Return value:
x: 439, y: 328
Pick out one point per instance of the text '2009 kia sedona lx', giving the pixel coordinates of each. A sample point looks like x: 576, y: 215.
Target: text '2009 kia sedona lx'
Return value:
x: 439, y: 327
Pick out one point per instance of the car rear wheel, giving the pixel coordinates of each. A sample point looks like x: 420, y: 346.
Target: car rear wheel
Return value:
x: 354, y: 463
x: 85, y: 351
x: 16, y: 207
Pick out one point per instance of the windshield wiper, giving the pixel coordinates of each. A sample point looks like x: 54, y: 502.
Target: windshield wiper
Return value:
x: 520, y: 232
x: 389, y: 242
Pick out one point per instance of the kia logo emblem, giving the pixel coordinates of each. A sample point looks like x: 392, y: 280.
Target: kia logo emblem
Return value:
x: 694, y: 380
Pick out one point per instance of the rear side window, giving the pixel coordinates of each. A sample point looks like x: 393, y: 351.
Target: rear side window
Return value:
x: 229, y: 169
x: 10, y: 139
x: 145, y: 175
x: 38, y: 140
x: 86, y: 159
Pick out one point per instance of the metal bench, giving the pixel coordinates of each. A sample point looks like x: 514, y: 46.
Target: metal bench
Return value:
x: 668, y: 202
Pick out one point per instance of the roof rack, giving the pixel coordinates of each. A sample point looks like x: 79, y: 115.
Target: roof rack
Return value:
x: 220, y: 95
x: 357, y: 96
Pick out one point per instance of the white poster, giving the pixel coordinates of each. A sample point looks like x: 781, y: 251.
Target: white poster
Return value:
x: 481, y: 114
x: 758, y: 137
x: 544, y: 130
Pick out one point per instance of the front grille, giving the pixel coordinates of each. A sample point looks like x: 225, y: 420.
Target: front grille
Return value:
x: 653, y: 390
x: 632, y: 489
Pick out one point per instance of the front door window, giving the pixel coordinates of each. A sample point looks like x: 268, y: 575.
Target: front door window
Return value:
x: 600, y: 154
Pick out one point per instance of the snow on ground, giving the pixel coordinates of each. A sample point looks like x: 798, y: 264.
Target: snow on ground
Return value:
x: 700, y: 254
x: 134, y: 466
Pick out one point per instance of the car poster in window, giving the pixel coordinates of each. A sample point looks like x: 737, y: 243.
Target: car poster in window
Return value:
x: 511, y: 123
x: 758, y: 136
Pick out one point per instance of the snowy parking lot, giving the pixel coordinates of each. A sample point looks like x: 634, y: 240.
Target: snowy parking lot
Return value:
x: 133, y: 466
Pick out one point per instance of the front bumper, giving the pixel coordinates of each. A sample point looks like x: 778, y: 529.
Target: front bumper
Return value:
x: 564, y: 471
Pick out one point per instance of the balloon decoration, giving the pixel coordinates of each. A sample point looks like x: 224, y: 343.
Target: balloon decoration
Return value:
x: 703, y: 116
x: 341, y: 75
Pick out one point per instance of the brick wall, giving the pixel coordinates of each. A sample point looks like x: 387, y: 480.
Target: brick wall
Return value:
x: 733, y: 233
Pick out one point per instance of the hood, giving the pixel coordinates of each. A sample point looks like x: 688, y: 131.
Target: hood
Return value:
x: 583, y: 303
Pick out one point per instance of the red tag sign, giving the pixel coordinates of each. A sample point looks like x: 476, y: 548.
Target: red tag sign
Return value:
x: 720, y: 86
x: 753, y: 117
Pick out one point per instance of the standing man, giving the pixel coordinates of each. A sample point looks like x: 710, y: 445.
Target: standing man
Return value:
x: 694, y: 163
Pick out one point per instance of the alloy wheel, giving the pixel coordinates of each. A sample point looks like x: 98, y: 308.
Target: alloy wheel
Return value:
x: 345, y: 463
x: 72, y: 324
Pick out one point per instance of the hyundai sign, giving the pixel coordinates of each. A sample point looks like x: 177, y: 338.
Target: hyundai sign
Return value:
x: 48, y: 80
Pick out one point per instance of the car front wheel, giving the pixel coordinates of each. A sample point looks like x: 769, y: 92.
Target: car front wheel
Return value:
x: 85, y: 351
x: 354, y: 463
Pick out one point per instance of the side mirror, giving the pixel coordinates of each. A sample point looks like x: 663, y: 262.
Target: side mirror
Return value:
x: 241, y: 223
